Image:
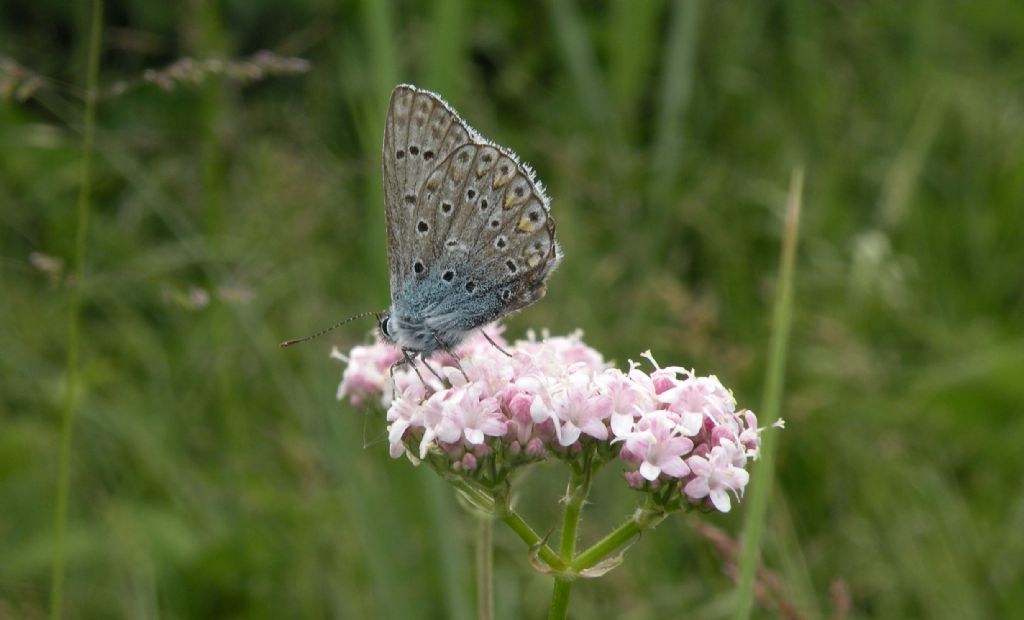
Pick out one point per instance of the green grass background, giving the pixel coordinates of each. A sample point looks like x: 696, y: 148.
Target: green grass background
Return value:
x: 214, y: 475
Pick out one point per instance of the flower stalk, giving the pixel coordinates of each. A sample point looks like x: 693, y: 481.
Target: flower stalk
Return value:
x: 646, y: 517
x: 576, y: 494
x: 560, y: 598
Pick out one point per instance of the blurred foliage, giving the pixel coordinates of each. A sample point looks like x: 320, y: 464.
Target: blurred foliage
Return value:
x: 215, y: 476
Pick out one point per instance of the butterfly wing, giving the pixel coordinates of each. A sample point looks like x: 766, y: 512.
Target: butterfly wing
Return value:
x: 470, y: 235
x: 420, y: 131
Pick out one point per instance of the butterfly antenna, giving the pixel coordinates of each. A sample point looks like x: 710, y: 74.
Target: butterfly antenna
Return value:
x: 288, y: 343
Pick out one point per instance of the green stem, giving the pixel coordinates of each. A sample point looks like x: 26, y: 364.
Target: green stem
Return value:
x: 509, y: 517
x: 575, y: 495
x: 526, y: 534
x: 782, y: 313
x: 480, y: 498
x: 74, y: 311
x: 484, y: 568
x: 618, y: 537
x: 523, y: 530
x: 645, y: 518
x: 560, y: 599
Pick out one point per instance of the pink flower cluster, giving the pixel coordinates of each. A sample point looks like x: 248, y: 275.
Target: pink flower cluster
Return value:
x: 557, y: 398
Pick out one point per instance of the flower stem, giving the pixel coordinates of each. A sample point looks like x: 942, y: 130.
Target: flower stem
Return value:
x: 579, y: 488
x: 485, y: 502
x: 71, y: 380
x: 618, y: 537
x: 645, y: 518
x: 484, y: 569
x: 560, y: 599
x: 575, y: 495
x: 523, y: 530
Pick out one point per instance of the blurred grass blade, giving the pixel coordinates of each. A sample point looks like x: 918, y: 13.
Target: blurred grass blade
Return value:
x: 447, y: 41
x: 579, y: 56
x: 760, y: 491
x: 677, y: 86
x: 630, y: 57
x: 72, y: 378
x: 378, y: 15
x: 904, y: 174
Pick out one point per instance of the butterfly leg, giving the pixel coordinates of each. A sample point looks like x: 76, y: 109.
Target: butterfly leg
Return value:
x: 391, y: 371
x: 496, y: 345
x: 411, y: 361
x: 423, y: 358
x: 452, y: 355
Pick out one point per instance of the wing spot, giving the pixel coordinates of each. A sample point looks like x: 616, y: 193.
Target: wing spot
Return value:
x: 506, y: 295
x: 448, y: 276
x: 500, y: 243
x: 495, y: 223
x: 486, y: 158
x: 418, y: 267
x: 504, y: 169
x: 463, y: 157
x: 511, y: 264
x: 414, y: 150
x: 470, y: 286
x: 399, y: 154
x: 446, y: 207
x: 471, y: 193
x: 410, y: 199
x: 534, y: 216
x: 518, y: 192
x: 428, y: 155
x: 422, y: 226
x: 451, y: 243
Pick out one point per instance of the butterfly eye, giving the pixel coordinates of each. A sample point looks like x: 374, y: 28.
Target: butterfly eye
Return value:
x: 385, y: 326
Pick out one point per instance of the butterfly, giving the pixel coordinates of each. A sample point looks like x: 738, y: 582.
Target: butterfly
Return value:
x: 469, y: 231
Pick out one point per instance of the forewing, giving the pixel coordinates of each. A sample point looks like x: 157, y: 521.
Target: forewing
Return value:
x: 420, y: 132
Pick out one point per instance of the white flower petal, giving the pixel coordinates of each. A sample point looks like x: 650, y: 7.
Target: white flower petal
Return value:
x: 649, y: 470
